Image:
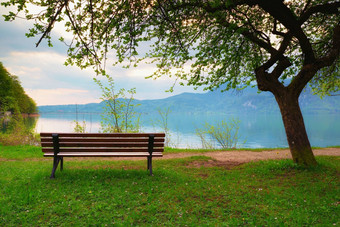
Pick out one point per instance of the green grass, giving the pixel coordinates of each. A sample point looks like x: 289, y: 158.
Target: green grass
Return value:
x: 93, y: 192
x: 20, y: 152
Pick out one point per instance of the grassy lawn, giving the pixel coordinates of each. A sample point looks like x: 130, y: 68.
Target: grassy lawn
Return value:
x: 92, y: 192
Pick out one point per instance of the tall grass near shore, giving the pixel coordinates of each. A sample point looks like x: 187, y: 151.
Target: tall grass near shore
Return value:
x: 181, y: 192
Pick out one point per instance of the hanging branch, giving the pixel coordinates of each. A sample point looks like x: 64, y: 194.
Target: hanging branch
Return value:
x: 49, y: 27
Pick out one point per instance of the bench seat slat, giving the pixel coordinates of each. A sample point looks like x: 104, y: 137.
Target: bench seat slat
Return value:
x: 105, y: 154
x: 95, y: 140
x: 49, y: 134
x: 75, y: 150
x: 100, y: 144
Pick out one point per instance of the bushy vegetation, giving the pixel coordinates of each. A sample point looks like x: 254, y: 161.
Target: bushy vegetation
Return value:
x: 181, y: 192
x: 119, y: 113
x: 14, y: 129
x: 12, y: 96
x: 224, y: 134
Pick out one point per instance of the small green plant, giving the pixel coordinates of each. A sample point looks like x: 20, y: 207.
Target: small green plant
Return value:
x: 225, y: 134
x: 205, y: 142
x: 79, y: 127
x: 119, y: 114
x: 163, y: 123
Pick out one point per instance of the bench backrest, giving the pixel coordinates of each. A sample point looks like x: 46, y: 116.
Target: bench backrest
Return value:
x: 102, y: 142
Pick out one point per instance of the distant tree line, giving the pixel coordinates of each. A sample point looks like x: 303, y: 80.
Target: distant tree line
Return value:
x: 12, y: 95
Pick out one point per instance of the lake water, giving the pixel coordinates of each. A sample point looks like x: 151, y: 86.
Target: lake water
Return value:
x: 257, y: 130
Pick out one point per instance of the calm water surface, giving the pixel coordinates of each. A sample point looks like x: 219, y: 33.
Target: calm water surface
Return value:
x: 257, y: 130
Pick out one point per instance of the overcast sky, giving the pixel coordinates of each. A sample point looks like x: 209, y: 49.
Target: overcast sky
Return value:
x: 45, y: 78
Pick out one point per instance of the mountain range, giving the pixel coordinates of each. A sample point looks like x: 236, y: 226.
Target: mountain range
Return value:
x: 247, y: 100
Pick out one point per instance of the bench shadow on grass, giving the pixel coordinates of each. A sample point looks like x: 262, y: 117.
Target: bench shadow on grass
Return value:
x: 118, y: 170
x: 174, y: 169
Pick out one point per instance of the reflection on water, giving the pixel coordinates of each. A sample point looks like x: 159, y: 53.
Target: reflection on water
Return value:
x: 259, y: 130
x: 29, y: 123
x: 60, y: 124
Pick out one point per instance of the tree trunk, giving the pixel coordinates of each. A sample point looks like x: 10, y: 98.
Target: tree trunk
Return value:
x: 295, y: 129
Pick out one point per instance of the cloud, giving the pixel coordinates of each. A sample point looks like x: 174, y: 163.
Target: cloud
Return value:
x: 45, y: 77
x: 38, y: 70
x: 48, y: 81
x: 61, y: 96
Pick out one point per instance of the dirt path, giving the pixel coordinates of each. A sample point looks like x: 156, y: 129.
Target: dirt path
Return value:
x: 230, y: 159
x: 248, y: 156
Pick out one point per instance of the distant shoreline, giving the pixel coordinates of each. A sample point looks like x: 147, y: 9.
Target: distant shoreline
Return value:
x: 8, y: 114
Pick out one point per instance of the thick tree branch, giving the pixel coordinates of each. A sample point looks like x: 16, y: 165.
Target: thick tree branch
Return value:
x: 267, y: 82
x: 275, y: 31
x: 327, y: 8
x: 308, y: 71
x: 282, y: 65
x: 282, y: 13
x: 279, y: 55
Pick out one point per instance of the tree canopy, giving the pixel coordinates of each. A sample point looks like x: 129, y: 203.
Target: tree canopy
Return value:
x: 223, y: 41
x: 228, y: 43
x: 12, y: 96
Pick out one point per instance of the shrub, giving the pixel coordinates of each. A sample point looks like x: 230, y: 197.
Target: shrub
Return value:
x: 225, y: 134
x: 119, y: 110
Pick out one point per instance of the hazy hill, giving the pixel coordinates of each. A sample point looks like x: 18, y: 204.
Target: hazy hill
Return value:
x: 223, y: 102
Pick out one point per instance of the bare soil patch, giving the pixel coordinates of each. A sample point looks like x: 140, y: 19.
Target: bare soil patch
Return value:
x: 230, y: 159
x: 240, y: 156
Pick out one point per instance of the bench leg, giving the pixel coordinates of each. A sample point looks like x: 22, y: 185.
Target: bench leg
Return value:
x: 150, y: 164
x: 55, y: 165
x: 61, y: 163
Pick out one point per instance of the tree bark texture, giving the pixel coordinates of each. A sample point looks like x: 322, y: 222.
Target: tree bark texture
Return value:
x: 296, y: 133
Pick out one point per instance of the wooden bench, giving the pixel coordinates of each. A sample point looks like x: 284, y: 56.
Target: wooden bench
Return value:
x: 60, y: 145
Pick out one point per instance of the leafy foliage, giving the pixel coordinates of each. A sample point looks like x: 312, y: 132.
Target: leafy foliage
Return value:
x: 79, y: 127
x: 223, y: 41
x: 12, y: 96
x: 327, y: 85
x: 224, y: 133
x: 14, y: 129
x: 119, y: 114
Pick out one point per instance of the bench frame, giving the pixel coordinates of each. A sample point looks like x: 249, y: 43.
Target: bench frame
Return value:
x: 119, y: 152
